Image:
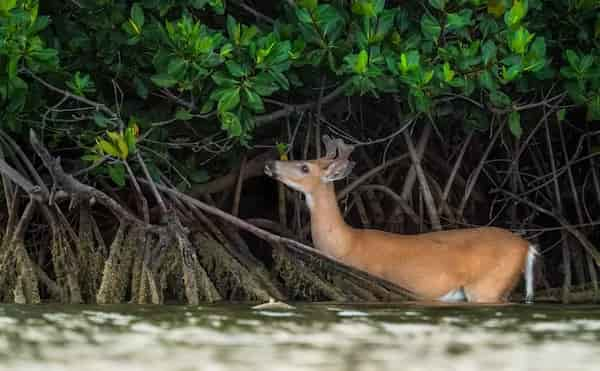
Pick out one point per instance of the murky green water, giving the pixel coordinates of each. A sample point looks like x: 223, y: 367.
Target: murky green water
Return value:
x: 312, y: 337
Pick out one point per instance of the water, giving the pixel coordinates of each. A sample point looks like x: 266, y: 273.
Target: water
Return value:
x: 315, y: 337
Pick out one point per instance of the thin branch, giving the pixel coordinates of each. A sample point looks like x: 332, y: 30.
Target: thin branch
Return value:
x: 396, y: 197
x: 589, y: 247
x: 98, y: 106
x: 457, y: 164
x: 157, y: 197
x: 235, y: 210
x: 291, y: 109
x: 258, y: 15
x: 369, y: 174
x: 426, y: 190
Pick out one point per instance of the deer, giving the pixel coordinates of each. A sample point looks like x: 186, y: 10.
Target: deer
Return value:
x: 475, y: 265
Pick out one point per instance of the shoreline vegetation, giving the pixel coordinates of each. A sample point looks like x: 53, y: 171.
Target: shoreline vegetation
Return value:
x: 133, y: 137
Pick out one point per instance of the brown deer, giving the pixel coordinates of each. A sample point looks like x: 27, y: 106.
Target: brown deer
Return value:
x: 475, y: 265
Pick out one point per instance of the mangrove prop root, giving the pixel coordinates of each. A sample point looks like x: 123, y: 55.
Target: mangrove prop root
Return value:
x: 63, y: 261
x: 233, y: 280
x: 117, y: 268
x: 27, y: 289
x: 301, y: 282
x: 90, y: 260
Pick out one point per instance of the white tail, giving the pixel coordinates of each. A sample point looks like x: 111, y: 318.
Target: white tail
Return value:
x: 476, y: 264
x: 530, y: 273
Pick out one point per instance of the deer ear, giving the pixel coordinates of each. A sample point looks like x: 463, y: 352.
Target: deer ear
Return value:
x: 337, y: 170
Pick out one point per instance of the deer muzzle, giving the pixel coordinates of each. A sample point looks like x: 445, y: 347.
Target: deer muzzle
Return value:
x: 270, y: 169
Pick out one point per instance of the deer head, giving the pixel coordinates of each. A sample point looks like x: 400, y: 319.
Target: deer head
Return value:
x: 308, y: 176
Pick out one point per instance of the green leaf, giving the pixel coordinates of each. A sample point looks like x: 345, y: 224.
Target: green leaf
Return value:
x: 519, y: 39
x: 253, y: 100
x: 512, y: 72
x: 303, y: 15
x: 208, y: 106
x: 514, y: 124
x: 279, y: 53
x: 385, y: 22
x: 248, y: 34
x: 448, y: 72
x: 430, y: 27
x: 217, y: 6
x: 367, y: 8
x: 13, y: 63
x: 177, y: 67
x: 535, y: 59
x: 229, y: 100
x: 427, y: 76
x: 231, y: 123
x: 234, y: 30
x: 137, y: 15
x: 499, y: 99
x: 487, y: 81
x: 538, y: 47
x: 421, y: 101
x: 130, y: 139
x: 183, y: 114
x: 488, y: 51
x: 573, y: 59
x: 163, y: 80
x: 264, y: 84
x: 409, y: 62
x: 586, y: 62
x: 457, y: 21
x: 117, y: 174
x: 222, y: 79
x: 280, y: 79
x: 101, y: 120
x: 235, y: 69
x: 308, y: 4
x: 516, y: 13
x: 6, y: 5
x: 438, y: 4
x: 362, y: 60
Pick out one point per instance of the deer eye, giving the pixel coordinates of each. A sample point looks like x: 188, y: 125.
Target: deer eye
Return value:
x: 305, y: 169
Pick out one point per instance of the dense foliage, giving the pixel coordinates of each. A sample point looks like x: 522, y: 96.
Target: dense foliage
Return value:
x: 158, y: 63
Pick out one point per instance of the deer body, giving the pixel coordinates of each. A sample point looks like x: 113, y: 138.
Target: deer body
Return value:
x: 476, y: 264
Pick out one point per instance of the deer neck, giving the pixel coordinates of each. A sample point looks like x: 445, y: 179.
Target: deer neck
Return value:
x: 330, y: 233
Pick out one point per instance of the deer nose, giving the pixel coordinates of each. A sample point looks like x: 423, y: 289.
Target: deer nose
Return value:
x: 270, y: 168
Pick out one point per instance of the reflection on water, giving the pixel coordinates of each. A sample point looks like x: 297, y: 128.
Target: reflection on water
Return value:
x: 315, y: 337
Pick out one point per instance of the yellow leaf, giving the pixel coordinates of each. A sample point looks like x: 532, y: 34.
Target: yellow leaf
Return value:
x: 107, y: 148
x: 123, y: 148
x: 114, y: 136
x: 496, y: 7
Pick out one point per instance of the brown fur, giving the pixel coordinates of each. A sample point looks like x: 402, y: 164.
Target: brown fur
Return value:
x: 486, y: 262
